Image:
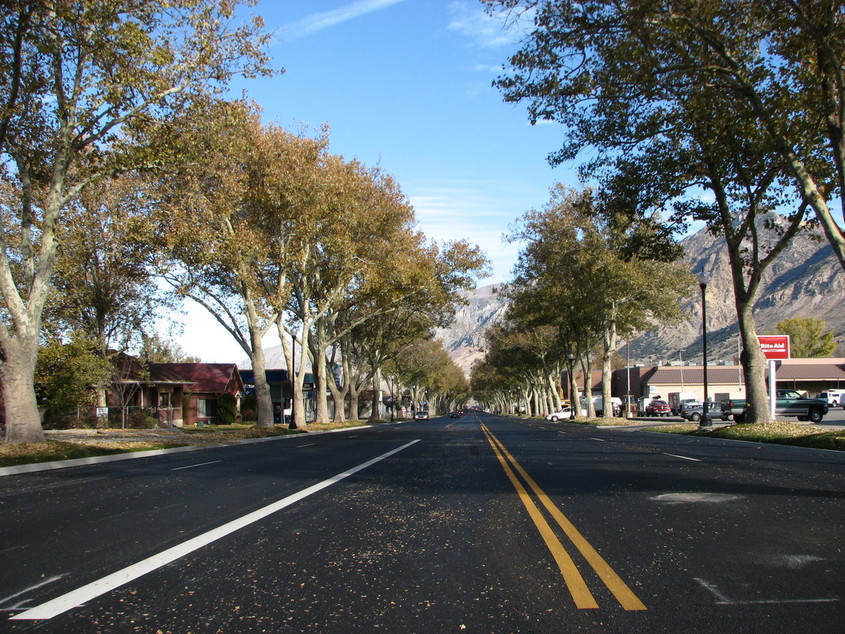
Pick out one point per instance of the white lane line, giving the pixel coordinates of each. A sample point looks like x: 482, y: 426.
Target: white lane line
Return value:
x: 310, y: 444
x: 191, y: 466
x: 599, y: 439
x: 674, y: 455
x: 78, y: 597
x: 4, y: 600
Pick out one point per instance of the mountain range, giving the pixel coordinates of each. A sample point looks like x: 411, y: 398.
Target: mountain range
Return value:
x: 805, y: 280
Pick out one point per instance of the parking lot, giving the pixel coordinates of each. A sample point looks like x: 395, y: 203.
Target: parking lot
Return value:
x: 835, y: 418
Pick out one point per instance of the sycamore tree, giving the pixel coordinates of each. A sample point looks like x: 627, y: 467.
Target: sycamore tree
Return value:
x: 360, y: 226
x: 363, y: 260
x: 615, y: 72
x: 532, y: 358
x: 78, y: 81
x: 427, y: 286
x: 382, y: 325
x: 104, y: 284
x: 403, y: 303
x: 432, y: 379
x: 741, y: 99
x: 234, y: 224
x: 593, y: 273
x: 525, y: 338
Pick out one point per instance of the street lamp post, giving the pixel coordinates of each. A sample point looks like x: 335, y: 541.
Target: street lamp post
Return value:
x: 572, y: 397
x: 702, y: 283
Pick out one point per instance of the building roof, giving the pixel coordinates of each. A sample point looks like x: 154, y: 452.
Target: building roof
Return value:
x: 694, y: 375
x: 273, y: 376
x: 824, y: 369
x: 212, y: 378
x: 811, y: 369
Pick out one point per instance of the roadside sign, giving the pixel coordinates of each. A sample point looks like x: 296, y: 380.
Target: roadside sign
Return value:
x: 774, y: 346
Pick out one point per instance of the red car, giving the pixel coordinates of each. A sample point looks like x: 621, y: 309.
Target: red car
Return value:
x: 658, y: 408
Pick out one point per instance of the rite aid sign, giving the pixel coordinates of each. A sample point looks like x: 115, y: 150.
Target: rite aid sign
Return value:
x: 774, y: 346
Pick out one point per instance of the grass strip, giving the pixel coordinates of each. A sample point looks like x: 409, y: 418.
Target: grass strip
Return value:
x: 115, y: 441
x: 13, y: 455
x: 777, y: 432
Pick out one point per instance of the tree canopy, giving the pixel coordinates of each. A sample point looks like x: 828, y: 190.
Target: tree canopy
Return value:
x: 744, y: 99
x: 623, y: 75
x: 81, y: 86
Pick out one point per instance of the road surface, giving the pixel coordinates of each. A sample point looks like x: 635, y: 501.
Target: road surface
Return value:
x: 479, y: 524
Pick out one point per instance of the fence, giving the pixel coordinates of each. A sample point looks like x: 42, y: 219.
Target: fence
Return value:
x: 129, y: 417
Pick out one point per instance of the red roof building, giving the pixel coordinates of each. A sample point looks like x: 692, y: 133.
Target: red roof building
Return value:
x: 179, y: 394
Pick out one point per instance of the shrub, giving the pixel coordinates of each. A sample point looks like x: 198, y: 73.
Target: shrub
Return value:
x: 249, y: 407
x: 227, y: 409
x: 139, y: 420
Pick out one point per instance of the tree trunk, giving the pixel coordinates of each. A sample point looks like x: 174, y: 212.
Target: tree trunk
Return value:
x: 587, y: 366
x: 320, y: 388
x: 320, y: 375
x: 753, y: 367
x: 606, y: 370
x: 23, y: 422
x: 262, y: 388
x: 339, y: 398
x: 554, y: 382
x: 375, y: 413
x: 297, y: 381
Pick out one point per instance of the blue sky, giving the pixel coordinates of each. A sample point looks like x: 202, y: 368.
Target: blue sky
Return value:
x: 406, y: 85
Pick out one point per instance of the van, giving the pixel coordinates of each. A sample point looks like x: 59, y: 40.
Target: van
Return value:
x: 833, y: 397
x: 615, y: 402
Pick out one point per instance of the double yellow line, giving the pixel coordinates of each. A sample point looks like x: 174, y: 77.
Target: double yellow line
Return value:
x: 581, y: 594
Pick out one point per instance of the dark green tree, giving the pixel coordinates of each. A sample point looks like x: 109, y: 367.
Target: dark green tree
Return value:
x: 67, y: 376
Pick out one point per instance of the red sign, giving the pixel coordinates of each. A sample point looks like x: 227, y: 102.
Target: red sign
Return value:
x: 774, y: 346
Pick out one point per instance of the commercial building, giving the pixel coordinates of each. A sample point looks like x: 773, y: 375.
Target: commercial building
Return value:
x: 810, y: 376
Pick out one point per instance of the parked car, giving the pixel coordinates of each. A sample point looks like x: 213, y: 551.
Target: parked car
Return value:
x: 658, y: 408
x: 833, y: 397
x: 788, y: 403
x: 695, y: 412
x: 564, y: 414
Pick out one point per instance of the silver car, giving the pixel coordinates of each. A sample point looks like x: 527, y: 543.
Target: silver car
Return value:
x: 694, y: 413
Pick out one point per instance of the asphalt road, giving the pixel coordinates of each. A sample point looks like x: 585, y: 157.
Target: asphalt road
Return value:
x: 479, y: 524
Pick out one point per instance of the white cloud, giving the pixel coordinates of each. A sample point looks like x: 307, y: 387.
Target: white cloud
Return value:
x: 477, y: 212
x: 487, y: 30
x: 327, y: 19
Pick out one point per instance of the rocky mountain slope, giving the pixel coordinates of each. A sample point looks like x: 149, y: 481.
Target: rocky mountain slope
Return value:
x: 805, y: 281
